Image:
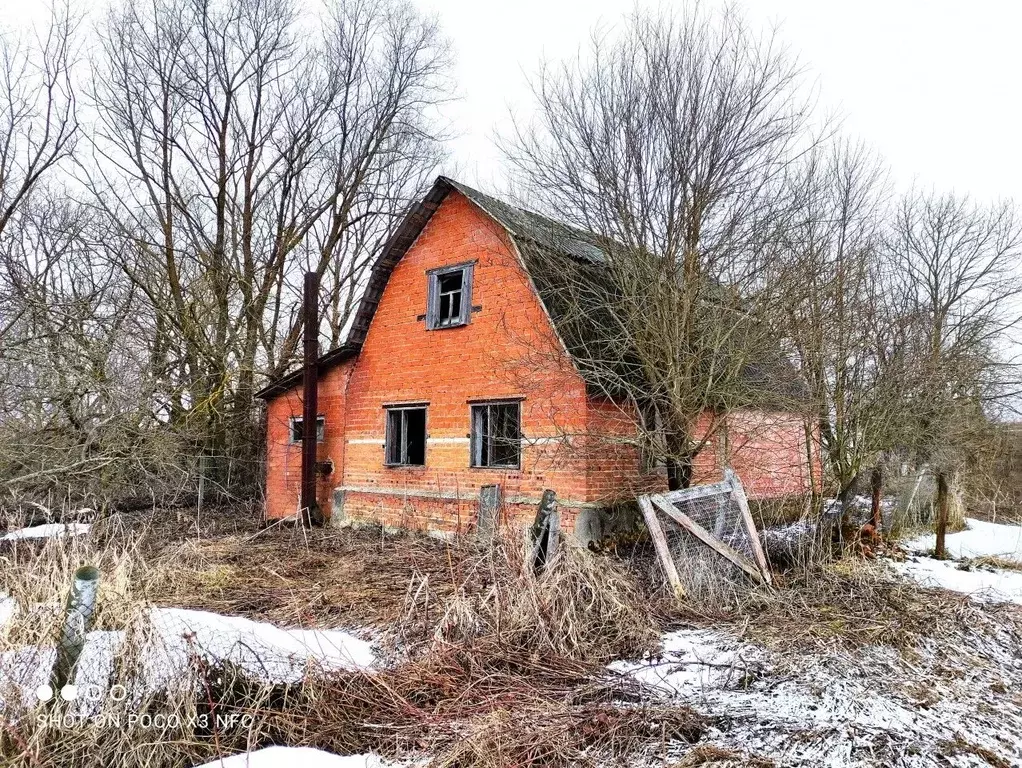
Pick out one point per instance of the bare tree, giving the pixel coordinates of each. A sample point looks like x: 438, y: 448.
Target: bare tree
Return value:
x: 958, y: 270
x: 234, y: 151
x: 834, y: 307
x: 669, y: 142
x: 38, y: 116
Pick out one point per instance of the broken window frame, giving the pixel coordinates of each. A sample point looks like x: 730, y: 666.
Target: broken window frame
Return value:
x: 481, y: 446
x: 434, y: 322
x: 401, y: 412
x: 296, y: 429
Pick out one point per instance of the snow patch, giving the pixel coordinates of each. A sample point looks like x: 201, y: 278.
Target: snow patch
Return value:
x: 48, y: 531
x: 980, y: 539
x: 871, y: 708
x: 982, y: 583
x: 8, y: 607
x: 291, y: 757
x: 174, y: 638
x: 263, y: 650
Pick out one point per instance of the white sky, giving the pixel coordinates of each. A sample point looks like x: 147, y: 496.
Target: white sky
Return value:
x: 932, y: 85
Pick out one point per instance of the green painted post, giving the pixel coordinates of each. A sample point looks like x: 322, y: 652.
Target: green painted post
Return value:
x: 81, y: 605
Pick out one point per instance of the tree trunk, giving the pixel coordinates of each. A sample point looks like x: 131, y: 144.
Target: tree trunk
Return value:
x: 940, y: 550
x: 679, y: 474
x: 876, y: 484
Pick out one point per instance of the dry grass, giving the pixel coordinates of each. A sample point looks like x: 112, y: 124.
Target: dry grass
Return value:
x: 491, y: 664
x: 467, y: 710
x: 850, y: 604
x: 481, y: 641
x: 317, y: 578
x: 581, y: 606
x: 716, y: 757
x: 993, y: 561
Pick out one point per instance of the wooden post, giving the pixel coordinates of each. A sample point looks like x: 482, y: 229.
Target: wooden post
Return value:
x: 81, y: 604
x: 750, y: 525
x: 656, y: 532
x: 311, y: 514
x: 876, y: 484
x: 546, y: 530
x: 940, y: 551
x: 489, y: 511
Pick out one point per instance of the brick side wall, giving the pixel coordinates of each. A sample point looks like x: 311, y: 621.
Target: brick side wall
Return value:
x: 284, y: 458
x: 768, y: 452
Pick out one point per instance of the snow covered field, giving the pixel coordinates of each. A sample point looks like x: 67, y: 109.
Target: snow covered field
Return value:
x: 982, y: 582
x: 873, y: 708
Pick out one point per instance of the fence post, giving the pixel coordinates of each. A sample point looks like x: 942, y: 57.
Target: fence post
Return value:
x: 81, y: 604
x: 940, y: 551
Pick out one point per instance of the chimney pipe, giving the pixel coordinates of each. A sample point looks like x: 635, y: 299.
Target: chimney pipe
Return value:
x: 311, y: 514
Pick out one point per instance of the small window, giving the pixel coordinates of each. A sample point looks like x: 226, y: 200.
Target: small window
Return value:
x: 450, y: 297
x: 406, y: 437
x: 496, y: 435
x: 298, y: 429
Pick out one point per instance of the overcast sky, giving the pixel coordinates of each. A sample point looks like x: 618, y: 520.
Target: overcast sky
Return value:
x: 932, y: 85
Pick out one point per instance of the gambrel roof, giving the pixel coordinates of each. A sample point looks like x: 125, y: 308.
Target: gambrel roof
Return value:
x: 558, y: 258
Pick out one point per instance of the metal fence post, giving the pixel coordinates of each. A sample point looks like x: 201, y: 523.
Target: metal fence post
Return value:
x: 81, y: 605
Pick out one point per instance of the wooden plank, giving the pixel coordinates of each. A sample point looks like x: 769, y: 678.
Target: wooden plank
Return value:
x: 656, y: 532
x: 690, y: 525
x: 545, y: 530
x: 697, y: 492
x: 488, y: 515
x: 750, y: 524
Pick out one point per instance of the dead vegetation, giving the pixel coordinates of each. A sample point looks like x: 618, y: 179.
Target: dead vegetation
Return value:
x: 488, y: 663
x: 850, y: 604
x: 582, y: 606
x: 469, y: 710
x: 312, y: 578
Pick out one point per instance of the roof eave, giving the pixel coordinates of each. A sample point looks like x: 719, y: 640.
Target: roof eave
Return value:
x: 289, y: 381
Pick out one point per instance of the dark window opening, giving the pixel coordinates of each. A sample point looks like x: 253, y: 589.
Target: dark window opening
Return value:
x: 406, y: 437
x: 449, y: 291
x: 496, y: 435
x: 298, y: 429
x: 449, y: 301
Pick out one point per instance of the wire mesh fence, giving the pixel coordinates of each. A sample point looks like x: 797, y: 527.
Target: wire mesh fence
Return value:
x: 706, y: 539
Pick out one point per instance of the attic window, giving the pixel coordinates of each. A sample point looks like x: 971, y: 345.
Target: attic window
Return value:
x: 496, y: 435
x: 298, y: 429
x: 450, y: 297
x: 406, y: 437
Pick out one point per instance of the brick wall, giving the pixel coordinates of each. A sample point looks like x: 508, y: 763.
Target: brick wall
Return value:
x: 768, y: 451
x: 284, y: 458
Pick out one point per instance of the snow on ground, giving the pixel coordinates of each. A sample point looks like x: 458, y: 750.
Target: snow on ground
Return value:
x: 8, y: 607
x: 261, y: 649
x: 873, y: 709
x: 981, y: 582
x: 48, y: 531
x: 296, y: 757
x: 980, y: 539
x: 174, y: 638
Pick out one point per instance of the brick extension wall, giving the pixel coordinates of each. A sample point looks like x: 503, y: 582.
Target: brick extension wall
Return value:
x: 581, y: 447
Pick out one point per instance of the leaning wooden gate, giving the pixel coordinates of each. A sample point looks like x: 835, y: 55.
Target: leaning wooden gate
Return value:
x: 717, y: 516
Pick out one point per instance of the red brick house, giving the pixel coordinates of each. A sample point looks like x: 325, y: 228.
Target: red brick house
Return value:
x: 455, y: 377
